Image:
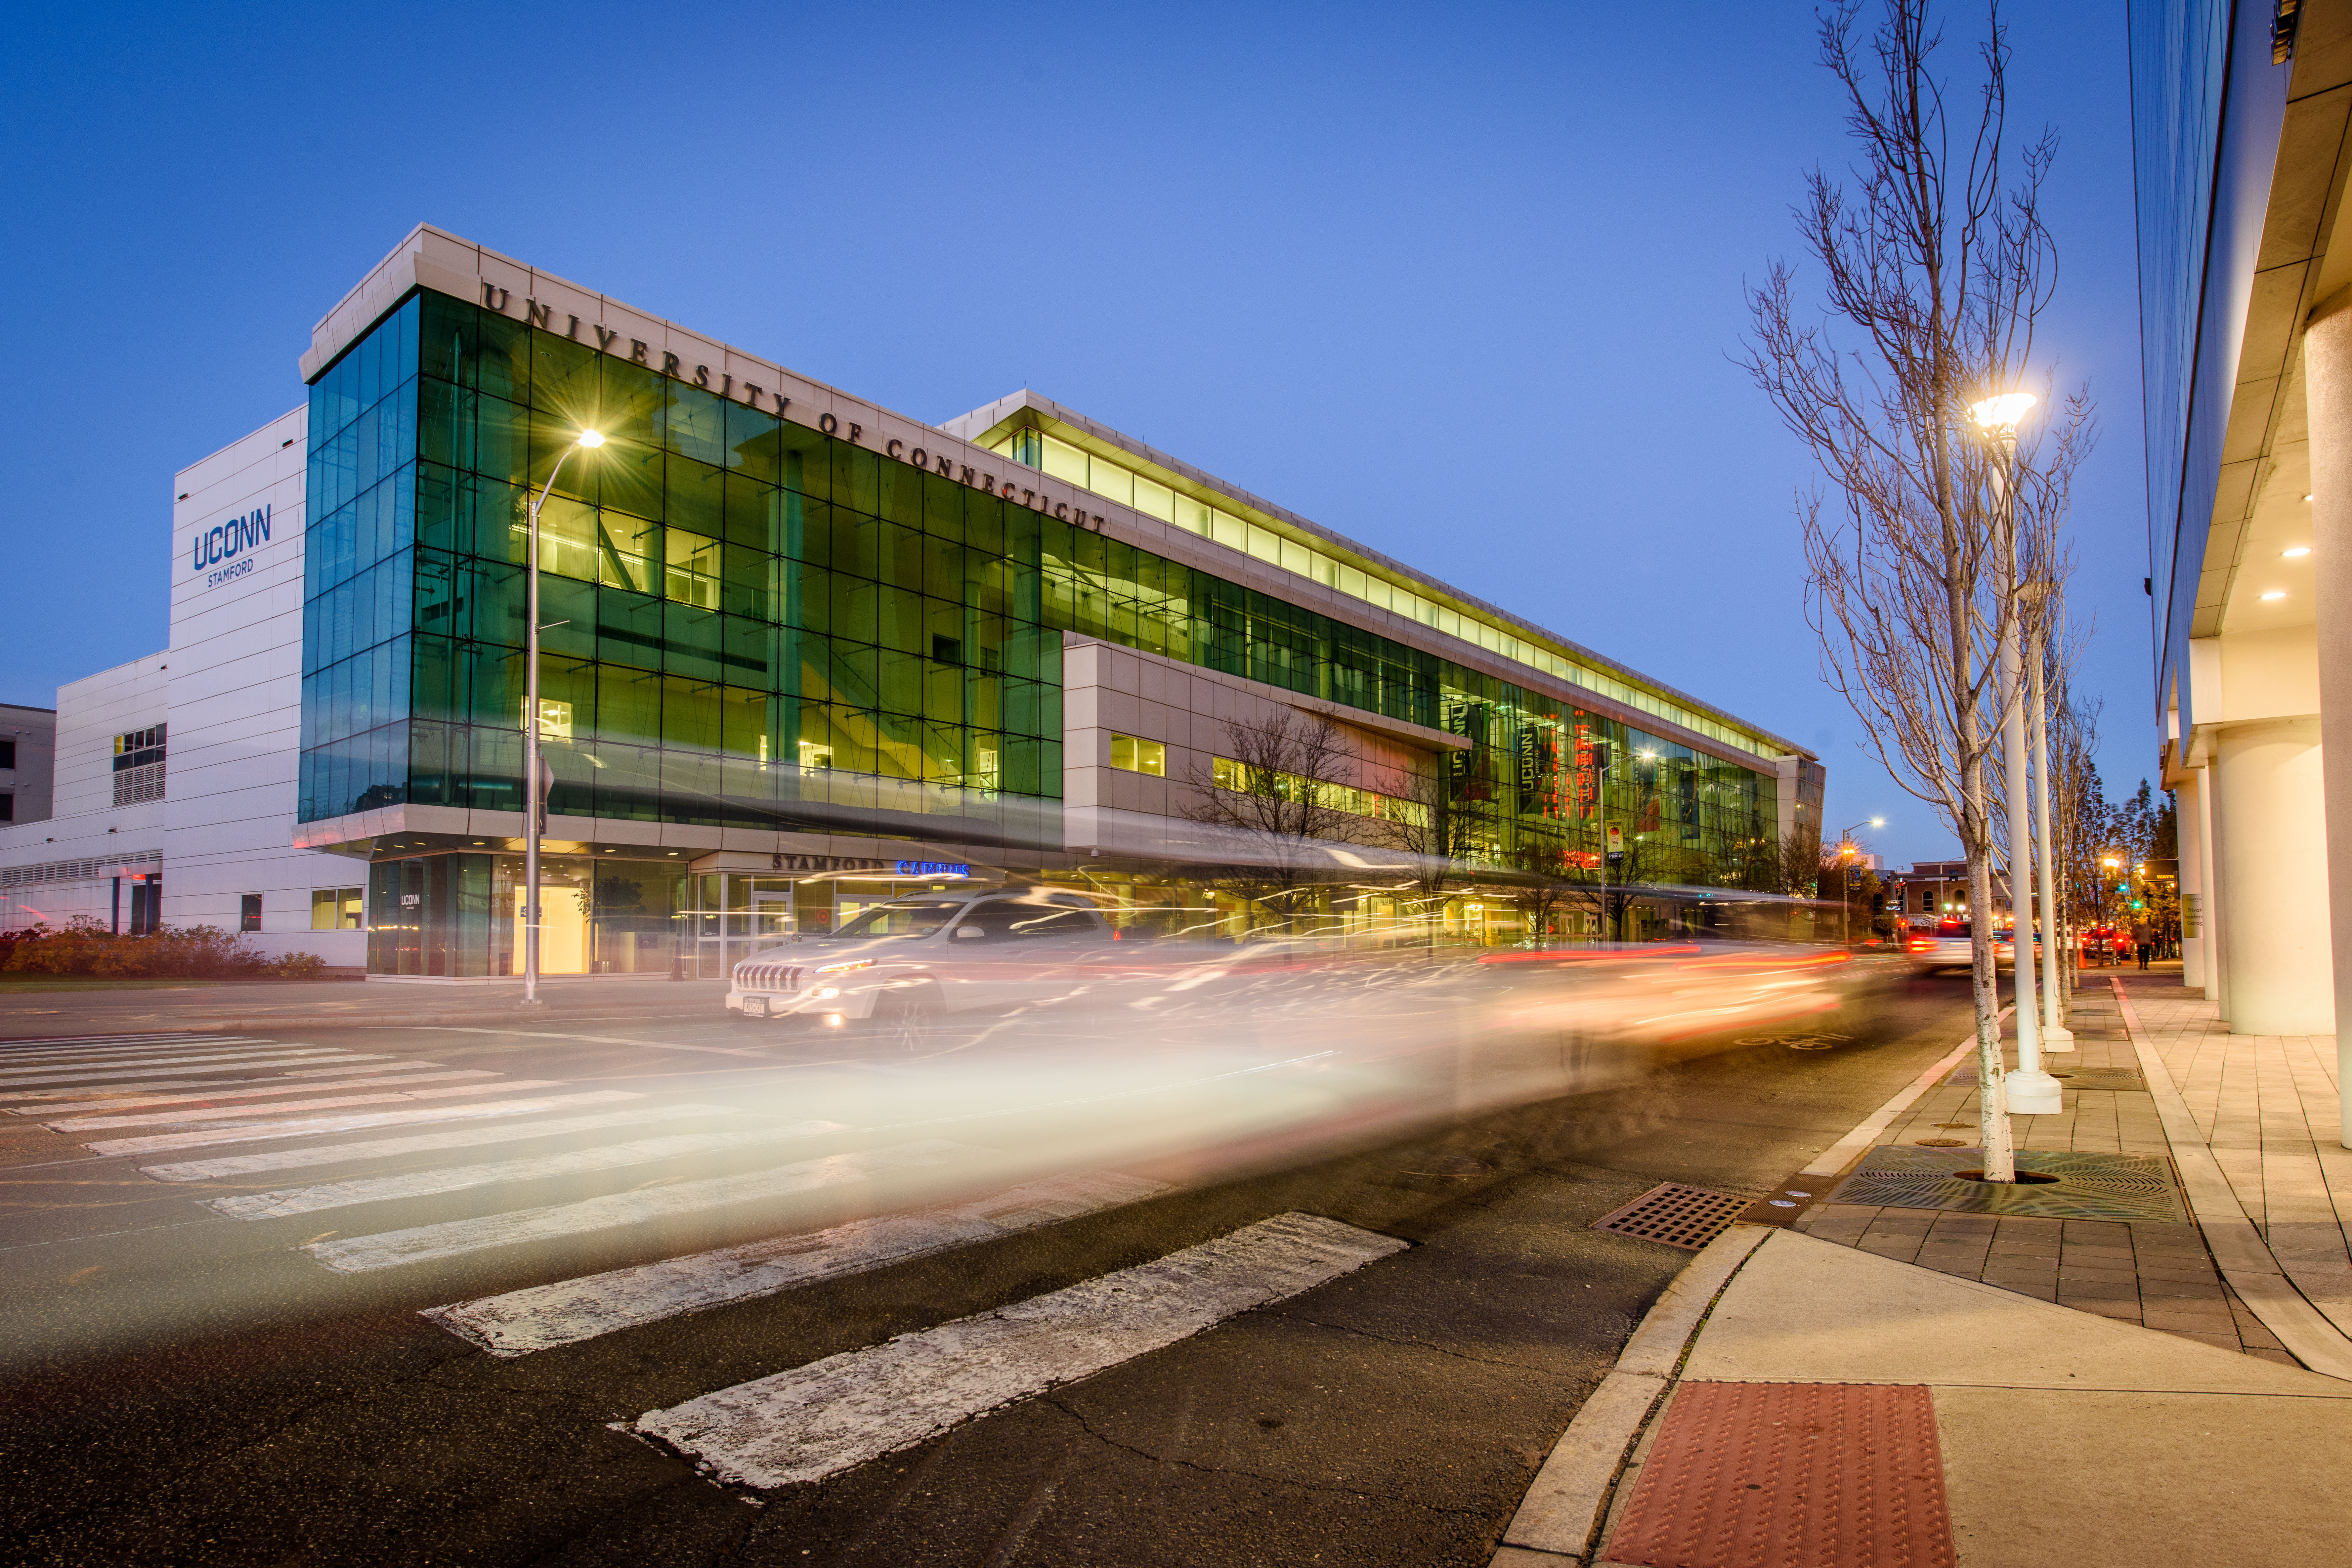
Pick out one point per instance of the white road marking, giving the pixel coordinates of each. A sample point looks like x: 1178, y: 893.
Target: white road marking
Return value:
x: 601, y: 1040
x: 191, y: 1052
x: 90, y: 1045
x: 542, y: 1316
x: 817, y: 1420
x: 156, y: 1143
x: 253, y: 1113
x: 245, y: 1090
x: 533, y: 1167
x: 139, y: 1036
x: 199, y: 1064
x: 274, y: 1080
x: 358, y: 1254
x: 423, y: 1143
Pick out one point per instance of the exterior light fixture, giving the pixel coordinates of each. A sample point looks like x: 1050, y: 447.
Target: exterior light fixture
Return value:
x: 2306, y: 497
x: 592, y: 438
x: 2002, y: 413
x: 2297, y: 554
x: 2274, y: 594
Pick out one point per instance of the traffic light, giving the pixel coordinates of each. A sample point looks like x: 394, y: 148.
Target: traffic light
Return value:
x: 2137, y: 904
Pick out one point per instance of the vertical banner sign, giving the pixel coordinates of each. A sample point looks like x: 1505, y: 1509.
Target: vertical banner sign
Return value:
x: 1468, y: 768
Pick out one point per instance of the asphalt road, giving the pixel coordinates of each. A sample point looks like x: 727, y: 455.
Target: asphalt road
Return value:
x: 186, y: 1383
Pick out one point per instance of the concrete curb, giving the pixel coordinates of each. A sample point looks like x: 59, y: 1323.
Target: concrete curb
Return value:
x: 1564, y: 1510
x: 2243, y: 1257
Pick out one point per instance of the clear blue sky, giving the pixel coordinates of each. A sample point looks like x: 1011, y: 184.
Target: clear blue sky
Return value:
x: 1459, y: 282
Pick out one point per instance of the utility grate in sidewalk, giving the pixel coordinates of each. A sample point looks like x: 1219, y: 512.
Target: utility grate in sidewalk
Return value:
x: 1839, y: 1475
x: 1688, y: 1217
x: 2093, y: 1186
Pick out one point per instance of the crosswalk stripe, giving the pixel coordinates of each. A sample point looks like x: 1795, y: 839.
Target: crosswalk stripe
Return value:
x: 358, y: 1254
x: 542, y: 1316
x: 423, y: 1143
x: 54, y: 1043
x: 244, y: 1091
x: 206, y: 1064
x: 525, y: 1168
x: 146, y: 1053
x: 817, y: 1420
x: 253, y: 1113
x: 156, y: 1143
x: 274, y: 1080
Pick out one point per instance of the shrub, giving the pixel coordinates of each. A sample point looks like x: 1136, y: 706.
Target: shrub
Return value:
x: 190, y: 952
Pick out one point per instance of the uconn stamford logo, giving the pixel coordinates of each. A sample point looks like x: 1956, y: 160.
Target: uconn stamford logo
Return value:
x: 223, y: 547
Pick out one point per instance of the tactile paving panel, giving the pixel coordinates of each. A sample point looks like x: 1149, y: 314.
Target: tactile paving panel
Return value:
x: 1790, y: 1475
x: 1683, y: 1216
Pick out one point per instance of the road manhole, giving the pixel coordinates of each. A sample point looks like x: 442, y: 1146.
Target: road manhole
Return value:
x: 1678, y: 1216
x: 1941, y: 1142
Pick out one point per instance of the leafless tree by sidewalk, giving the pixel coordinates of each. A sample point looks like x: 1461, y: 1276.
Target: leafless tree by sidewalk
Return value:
x: 1437, y: 833
x: 1273, y: 789
x: 1939, y: 261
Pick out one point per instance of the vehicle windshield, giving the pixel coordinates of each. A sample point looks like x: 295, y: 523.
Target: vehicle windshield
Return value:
x: 911, y: 918
x: 1955, y: 929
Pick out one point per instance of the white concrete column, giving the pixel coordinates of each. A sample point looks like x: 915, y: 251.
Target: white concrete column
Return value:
x: 2217, y: 935
x: 2270, y: 823
x: 2328, y: 375
x: 2190, y: 826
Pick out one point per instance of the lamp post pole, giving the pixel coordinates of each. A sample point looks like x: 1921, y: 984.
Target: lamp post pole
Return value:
x: 1846, y: 852
x: 534, y: 797
x: 2056, y: 1035
x: 2030, y: 1090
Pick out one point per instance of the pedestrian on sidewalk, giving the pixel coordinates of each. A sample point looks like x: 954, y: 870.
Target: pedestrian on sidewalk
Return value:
x: 2144, y: 939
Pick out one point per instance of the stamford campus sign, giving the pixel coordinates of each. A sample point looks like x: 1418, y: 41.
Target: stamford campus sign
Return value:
x: 638, y: 352
x: 229, y: 547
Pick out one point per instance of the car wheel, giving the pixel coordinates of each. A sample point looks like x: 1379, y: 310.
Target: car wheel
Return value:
x: 904, y: 1019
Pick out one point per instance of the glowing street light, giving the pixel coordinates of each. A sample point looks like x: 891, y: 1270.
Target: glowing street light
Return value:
x: 2029, y: 1088
x: 2002, y: 415
x: 534, y: 795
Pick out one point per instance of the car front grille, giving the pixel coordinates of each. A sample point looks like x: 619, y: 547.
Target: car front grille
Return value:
x: 768, y: 976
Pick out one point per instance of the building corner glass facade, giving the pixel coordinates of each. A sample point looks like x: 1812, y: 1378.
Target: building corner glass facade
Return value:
x: 752, y: 624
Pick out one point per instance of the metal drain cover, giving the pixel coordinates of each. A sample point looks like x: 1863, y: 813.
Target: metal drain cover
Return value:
x: 2087, y: 1185
x: 1688, y: 1217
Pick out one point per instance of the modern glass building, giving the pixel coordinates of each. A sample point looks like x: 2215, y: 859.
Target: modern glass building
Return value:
x: 2238, y: 142
x: 799, y: 651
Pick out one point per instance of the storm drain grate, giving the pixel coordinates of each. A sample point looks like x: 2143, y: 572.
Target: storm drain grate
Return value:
x: 1688, y: 1217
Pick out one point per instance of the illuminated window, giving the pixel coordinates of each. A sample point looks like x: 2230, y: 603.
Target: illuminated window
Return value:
x: 1134, y: 755
x: 138, y: 766
x: 336, y: 909
x: 692, y: 577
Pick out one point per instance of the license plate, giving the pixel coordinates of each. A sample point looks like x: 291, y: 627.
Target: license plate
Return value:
x: 755, y: 1007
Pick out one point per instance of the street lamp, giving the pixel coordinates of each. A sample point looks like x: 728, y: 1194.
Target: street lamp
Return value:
x: 534, y: 795
x: 2029, y: 1089
x: 1847, y: 849
x: 2056, y: 1035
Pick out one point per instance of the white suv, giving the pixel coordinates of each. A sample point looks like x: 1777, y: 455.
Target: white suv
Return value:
x: 911, y: 959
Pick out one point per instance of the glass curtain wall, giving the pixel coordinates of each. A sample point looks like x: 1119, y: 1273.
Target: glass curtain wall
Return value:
x: 750, y: 623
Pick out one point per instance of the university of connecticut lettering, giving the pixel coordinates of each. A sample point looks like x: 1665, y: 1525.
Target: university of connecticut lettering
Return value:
x: 637, y: 350
x: 228, y: 541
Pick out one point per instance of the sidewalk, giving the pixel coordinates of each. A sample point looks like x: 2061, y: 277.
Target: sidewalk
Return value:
x: 2113, y: 1368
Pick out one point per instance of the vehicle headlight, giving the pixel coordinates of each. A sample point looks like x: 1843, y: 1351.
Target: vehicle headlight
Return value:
x: 844, y: 968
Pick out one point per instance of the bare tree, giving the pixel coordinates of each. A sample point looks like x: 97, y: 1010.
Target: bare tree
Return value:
x: 1272, y: 789
x: 1437, y: 833
x: 1942, y: 264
